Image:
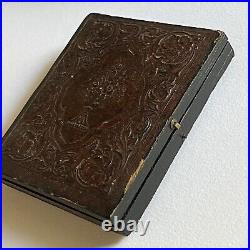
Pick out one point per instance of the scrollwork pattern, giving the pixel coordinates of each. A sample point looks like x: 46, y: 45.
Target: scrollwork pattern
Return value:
x: 103, y: 102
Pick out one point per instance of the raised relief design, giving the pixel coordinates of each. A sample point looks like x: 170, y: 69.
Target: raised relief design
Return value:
x: 97, y: 115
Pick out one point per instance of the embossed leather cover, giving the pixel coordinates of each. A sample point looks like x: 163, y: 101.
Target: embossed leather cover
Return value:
x: 83, y: 136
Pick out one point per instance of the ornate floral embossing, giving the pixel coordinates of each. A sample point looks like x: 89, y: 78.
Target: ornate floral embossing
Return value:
x: 99, y: 111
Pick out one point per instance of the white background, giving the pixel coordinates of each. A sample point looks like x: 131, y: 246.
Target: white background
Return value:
x: 202, y: 201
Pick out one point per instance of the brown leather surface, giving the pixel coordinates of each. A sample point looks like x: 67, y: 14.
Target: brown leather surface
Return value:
x: 83, y: 134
